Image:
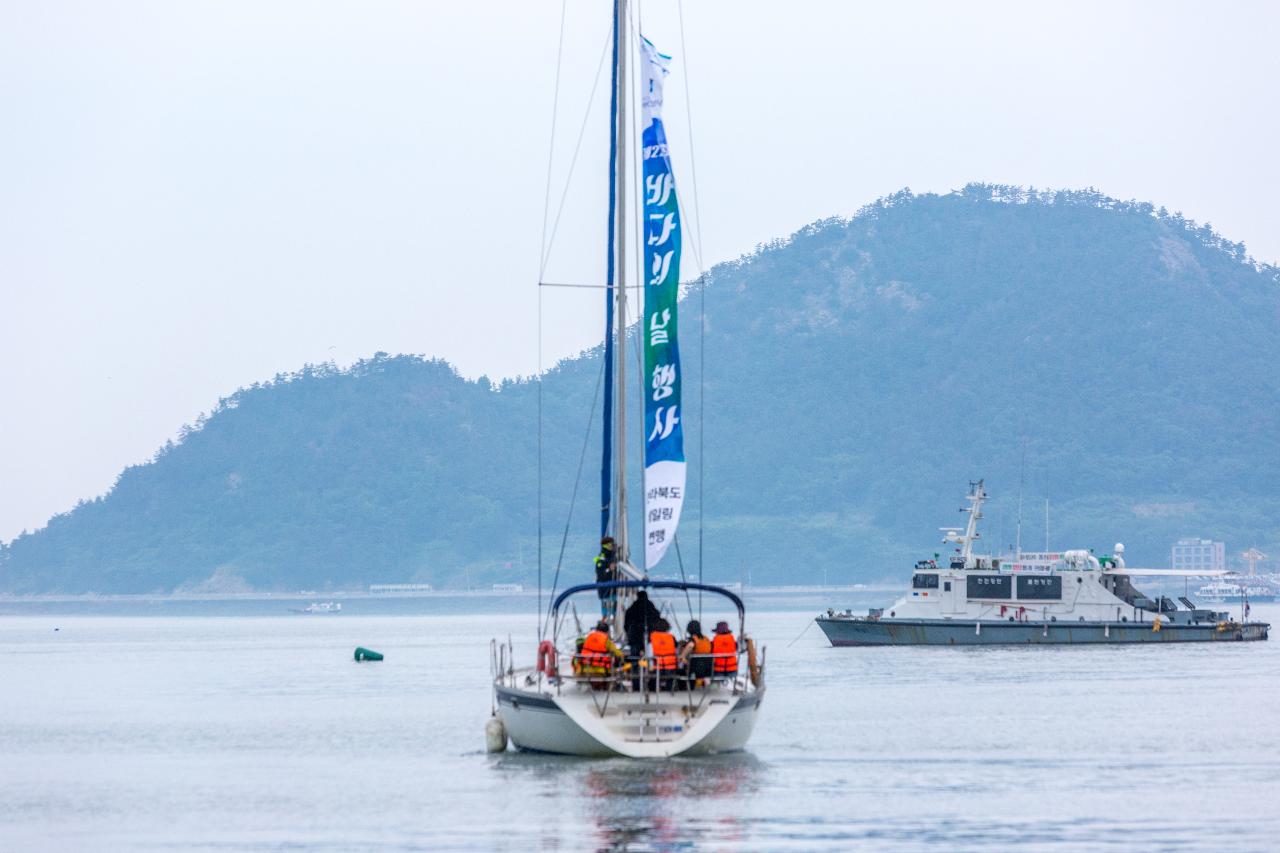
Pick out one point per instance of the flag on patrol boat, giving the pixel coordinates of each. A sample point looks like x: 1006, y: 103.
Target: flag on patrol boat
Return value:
x: 664, y: 463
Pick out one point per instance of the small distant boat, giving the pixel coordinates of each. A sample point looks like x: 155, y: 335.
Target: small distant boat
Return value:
x: 319, y: 607
x: 1221, y: 592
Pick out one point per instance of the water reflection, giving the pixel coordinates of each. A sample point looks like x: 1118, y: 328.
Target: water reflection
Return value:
x: 647, y: 805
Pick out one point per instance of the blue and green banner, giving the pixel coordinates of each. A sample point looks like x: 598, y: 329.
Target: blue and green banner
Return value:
x: 664, y: 463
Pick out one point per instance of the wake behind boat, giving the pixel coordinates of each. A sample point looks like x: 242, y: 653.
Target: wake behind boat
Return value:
x: 625, y: 686
x: 1074, y: 598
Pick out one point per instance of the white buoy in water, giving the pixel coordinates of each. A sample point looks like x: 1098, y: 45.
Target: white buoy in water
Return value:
x: 495, y: 735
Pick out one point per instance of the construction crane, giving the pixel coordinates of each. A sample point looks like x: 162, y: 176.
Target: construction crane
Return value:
x: 1253, y: 556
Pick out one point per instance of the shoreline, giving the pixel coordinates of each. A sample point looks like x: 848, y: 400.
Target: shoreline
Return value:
x: 45, y: 598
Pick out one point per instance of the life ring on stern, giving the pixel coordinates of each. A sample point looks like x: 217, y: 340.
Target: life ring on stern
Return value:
x: 547, y: 658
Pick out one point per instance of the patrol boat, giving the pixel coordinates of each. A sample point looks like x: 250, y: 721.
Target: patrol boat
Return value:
x: 1071, y: 597
x: 557, y: 705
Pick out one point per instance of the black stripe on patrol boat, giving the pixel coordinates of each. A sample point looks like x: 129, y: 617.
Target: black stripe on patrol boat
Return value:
x: 989, y: 586
x: 1040, y: 588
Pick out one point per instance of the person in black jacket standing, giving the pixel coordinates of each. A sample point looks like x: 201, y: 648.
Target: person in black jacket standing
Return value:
x: 606, y: 570
x: 641, y: 618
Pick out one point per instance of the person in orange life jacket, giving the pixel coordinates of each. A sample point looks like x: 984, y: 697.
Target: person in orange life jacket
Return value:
x: 725, y: 649
x: 598, y: 651
x: 695, y: 654
x: 663, y: 645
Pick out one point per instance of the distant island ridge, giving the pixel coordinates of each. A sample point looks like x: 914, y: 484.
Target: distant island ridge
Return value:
x: 1117, y: 359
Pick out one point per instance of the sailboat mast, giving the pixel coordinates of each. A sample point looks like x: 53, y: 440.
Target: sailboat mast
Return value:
x: 620, y: 285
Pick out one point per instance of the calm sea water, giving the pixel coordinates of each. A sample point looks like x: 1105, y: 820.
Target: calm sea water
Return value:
x: 139, y: 729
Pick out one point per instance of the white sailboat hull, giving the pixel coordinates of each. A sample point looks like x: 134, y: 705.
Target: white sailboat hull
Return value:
x: 575, y: 720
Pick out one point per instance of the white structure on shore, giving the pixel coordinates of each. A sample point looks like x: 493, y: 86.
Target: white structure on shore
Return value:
x: 1253, y: 556
x: 1195, y: 554
x: 398, y: 588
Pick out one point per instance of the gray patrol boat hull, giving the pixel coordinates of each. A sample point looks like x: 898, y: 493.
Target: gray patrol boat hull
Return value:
x: 859, y: 631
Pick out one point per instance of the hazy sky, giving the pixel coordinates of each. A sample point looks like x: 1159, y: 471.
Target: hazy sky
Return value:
x: 198, y: 195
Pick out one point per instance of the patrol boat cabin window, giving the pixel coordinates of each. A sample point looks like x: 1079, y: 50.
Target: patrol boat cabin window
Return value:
x: 989, y: 586
x: 1040, y: 587
x: 924, y: 582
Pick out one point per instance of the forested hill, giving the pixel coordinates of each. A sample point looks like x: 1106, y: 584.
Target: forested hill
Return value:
x: 1121, y: 360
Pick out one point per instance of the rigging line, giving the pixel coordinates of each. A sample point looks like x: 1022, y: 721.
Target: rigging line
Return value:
x: 540, y: 379
x: 635, y: 117
x: 577, y: 149
x: 573, y: 497
x: 693, y: 161
x: 801, y: 634
x: 680, y: 560
x: 641, y: 438
x: 551, y: 147
x: 542, y: 266
x: 702, y: 420
x: 702, y: 299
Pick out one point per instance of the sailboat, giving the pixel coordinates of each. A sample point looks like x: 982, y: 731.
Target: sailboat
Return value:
x: 557, y: 705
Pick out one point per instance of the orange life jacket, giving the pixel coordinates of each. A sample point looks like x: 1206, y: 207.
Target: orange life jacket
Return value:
x: 595, y: 650
x: 700, y: 660
x: 725, y: 648
x: 664, y: 649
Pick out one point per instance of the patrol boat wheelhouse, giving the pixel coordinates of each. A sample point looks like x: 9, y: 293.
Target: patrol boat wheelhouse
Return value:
x: 558, y: 705
x: 1077, y: 598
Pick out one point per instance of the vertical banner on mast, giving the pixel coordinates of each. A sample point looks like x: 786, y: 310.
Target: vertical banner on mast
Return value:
x: 664, y: 463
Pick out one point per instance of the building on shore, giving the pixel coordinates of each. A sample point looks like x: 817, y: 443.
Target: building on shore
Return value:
x: 1199, y: 555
